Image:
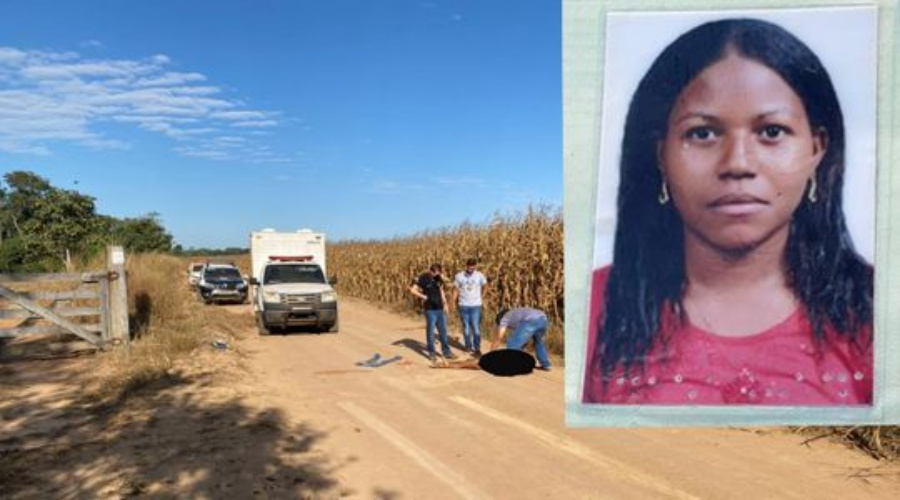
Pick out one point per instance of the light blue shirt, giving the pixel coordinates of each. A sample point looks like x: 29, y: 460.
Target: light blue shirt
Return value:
x: 514, y: 317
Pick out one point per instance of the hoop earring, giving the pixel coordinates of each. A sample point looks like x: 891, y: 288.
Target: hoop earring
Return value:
x: 663, y: 197
x: 811, y: 195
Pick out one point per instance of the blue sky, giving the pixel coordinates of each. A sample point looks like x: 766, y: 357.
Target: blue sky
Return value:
x: 362, y: 119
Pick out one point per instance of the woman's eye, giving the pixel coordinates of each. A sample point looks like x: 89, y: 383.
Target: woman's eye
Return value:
x: 772, y: 132
x: 700, y: 134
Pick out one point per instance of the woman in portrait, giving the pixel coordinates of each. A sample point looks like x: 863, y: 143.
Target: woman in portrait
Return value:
x: 734, y: 278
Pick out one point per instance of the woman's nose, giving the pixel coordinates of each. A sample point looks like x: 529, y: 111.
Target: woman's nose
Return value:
x: 737, y: 158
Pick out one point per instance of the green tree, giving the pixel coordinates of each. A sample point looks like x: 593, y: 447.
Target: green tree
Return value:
x: 17, y: 202
x: 142, y: 234
x: 43, y: 228
x: 60, y: 223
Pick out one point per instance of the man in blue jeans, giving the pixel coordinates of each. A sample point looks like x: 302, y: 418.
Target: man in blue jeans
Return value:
x: 526, y: 324
x: 430, y: 287
x: 467, y: 292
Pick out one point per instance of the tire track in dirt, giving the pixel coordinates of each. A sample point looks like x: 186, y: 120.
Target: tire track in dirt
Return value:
x: 438, y: 469
x: 614, y: 468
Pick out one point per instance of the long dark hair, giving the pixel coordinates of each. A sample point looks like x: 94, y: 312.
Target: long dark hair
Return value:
x: 647, y: 278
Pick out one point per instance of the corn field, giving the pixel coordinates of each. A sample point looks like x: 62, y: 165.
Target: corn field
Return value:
x: 521, y: 256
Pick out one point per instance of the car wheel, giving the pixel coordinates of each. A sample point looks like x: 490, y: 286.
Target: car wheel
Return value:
x: 334, y: 328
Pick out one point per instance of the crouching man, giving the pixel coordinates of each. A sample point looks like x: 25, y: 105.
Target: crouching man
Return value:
x: 526, y: 324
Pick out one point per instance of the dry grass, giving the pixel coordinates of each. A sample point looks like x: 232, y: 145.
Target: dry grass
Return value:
x: 522, y: 257
x: 167, y: 323
x: 879, y: 441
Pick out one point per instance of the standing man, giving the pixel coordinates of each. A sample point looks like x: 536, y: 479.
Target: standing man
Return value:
x: 430, y: 287
x: 526, y: 324
x: 467, y: 294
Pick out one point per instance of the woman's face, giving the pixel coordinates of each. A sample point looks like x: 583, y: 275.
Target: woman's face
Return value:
x: 738, y: 155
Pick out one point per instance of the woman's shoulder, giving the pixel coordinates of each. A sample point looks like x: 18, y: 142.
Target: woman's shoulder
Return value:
x: 600, y: 277
x: 599, y: 280
x: 592, y: 382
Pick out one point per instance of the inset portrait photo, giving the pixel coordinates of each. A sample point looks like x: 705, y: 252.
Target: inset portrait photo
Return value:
x: 732, y: 255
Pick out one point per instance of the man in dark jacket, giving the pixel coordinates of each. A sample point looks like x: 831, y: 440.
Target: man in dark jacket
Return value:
x: 430, y: 287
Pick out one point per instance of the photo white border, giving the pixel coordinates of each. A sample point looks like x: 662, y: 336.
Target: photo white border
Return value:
x: 589, y: 148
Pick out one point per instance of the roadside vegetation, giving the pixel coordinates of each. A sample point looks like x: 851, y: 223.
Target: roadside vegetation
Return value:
x: 209, y: 252
x: 167, y: 323
x: 44, y: 228
x: 521, y: 256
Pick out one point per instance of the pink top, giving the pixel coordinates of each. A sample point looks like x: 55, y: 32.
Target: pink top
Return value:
x: 778, y: 366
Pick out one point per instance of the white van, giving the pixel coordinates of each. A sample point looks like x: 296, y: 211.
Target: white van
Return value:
x: 290, y: 281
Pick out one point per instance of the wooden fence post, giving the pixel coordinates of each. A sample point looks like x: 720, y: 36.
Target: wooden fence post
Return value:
x: 118, y: 294
x: 104, y: 309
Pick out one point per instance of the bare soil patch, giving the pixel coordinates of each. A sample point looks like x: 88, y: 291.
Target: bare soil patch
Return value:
x: 188, y: 435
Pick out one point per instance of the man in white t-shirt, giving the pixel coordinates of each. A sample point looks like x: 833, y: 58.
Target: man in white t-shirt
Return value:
x: 467, y: 294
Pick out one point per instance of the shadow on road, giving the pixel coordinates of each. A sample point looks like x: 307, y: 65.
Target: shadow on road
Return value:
x: 139, y: 321
x: 421, y: 349
x: 170, y: 440
x: 291, y: 330
x: 413, y: 345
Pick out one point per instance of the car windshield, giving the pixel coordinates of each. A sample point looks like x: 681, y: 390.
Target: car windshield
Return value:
x: 293, y: 273
x: 222, y: 273
x: 196, y: 268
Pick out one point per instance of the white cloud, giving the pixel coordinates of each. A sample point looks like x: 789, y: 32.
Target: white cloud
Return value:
x: 256, y: 124
x: 55, y: 71
x: 205, y: 153
x: 160, y: 59
x: 230, y: 140
x: 168, y: 79
x: 48, y: 97
x: 239, y: 115
x: 92, y: 44
x: 14, y: 146
x: 465, y: 182
x: 384, y: 186
x: 11, y: 56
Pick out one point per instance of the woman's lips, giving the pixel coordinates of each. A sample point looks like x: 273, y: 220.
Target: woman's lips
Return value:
x: 737, y: 204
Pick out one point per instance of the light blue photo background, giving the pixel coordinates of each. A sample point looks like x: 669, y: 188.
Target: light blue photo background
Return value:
x: 591, y: 152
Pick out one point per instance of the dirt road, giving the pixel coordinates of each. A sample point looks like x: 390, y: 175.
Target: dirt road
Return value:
x: 409, y: 431
x: 293, y: 417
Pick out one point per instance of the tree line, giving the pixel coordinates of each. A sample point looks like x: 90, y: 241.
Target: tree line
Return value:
x: 206, y: 252
x: 44, y: 228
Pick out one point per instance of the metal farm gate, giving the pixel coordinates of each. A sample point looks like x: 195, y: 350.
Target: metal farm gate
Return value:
x: 91, y: 305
